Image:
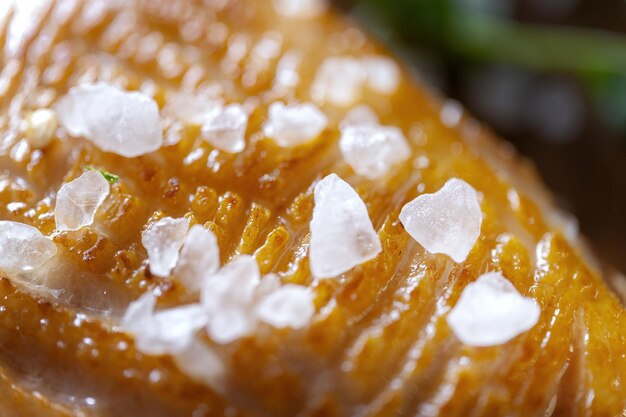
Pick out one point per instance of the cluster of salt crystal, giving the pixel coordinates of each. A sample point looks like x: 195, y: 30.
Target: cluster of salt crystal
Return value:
x: 491, y: 312
x: 373, y: 150
x: 342, y: 234
x: 300, y: 8
x: 23, y: 247
x: 225, y: 128
x: 118, y: 121
x: 162, y: 240
x: 447, y: 221
x: 78, y: 200
x: 198, y: 257
x: 340, y: 80
x: 294, y: 124
x: 169, y: 331
x: 41, y: 125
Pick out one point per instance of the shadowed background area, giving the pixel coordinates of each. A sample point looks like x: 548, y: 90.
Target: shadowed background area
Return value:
x: 549, y: 76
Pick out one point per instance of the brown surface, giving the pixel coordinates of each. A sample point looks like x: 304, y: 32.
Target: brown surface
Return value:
x: 379, y: 344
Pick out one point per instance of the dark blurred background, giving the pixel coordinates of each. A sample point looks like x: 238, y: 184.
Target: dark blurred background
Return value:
x: 547, y: 75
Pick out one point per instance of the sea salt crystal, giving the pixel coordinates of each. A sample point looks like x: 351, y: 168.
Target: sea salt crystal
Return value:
x: 287, y: 306
x: 491, y: 312
x: 373, y: 150
x: 294, y: 124
x: 118, y: 121
x: 167, y: 331
x: 227, y: 297
x: 383, y: 74
x: 199, y: 257
x: 23, y: 247
x: 225, y: 128
x: 342, y: 234
x: 447, y: 221
x: 191, y: 108
x: 162, y: 241
x: 202, y: 363
x: 300, y: 8
x: 339, y: 81
x: 78, y: 200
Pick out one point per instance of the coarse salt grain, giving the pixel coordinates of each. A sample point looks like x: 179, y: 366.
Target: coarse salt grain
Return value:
x: 225, y: 128
x: 23, y: 247
x: 491, y: 312
x: 78, y: 200
x: 342, y: 234
x: 294, y: 124
x: 162, y: 241
x: 118, y: 121
x: 447, y: 221
x: 199, y: 257
x: 287, y: 306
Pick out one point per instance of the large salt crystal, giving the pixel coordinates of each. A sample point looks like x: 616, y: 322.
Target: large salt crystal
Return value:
x: 447, y: 221
x: 162, y: 241
x: 294, y: 124
x: 225, y: 128
x: 287, y: 306
x: 491, y: 312
x: 383, y: 74
x: 199, y: 257
x: 339, y: 81
x: 169, y: 331
x: 342, y: 234
x: 373, y: 150
x: 118, y: 121
x: 23, y: 247
x: 300, y: 8
x: 228, y: 296
x: 78, y: 200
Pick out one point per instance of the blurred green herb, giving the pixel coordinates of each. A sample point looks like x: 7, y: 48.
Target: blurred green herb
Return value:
x: 111, y: 178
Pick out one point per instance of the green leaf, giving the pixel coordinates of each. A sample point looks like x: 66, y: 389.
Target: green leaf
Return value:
x: 111, y: 178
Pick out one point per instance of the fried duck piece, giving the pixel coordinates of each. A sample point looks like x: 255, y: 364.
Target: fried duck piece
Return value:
x: 383, y: 329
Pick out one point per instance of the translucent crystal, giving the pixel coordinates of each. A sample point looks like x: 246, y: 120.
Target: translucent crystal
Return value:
x: 23, y: 247
x: 300, y: 8
x: 225, y: 128
x: 167, y: 331
x: 447, y: 221
x: 199, y: 257
x: 383, y: 74
x: 287, y: 306
x: 191, y: 108
x: 373, y: 150
x: 339, y: 81
x: 118, y: 121
x: 294, y: 124
x: 162, y: 241
x: 342, y: 234
x: 201, y: 363
x: 227, y: 297
x: 79, y: 200
x: 491, y: 312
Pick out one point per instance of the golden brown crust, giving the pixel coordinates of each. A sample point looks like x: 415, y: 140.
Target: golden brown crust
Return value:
x: 379, y: 344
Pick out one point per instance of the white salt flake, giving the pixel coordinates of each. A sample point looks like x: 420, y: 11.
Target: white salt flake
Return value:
x: 162, y: 241
x: 227, y: 297
x: 491, y: 312
x: 199, y: 257
x: 339, y: 81
x: 294, y: 124
x: 23, y: 247
x: 342, y: 234
x: 447, y: 221
x: 383, y: 74
x: 202, y: 363
x: 225, y: 128
x: 79, y: 200
x: 287, y: 306
x: 300, y: 8
x: 373, y: 150
x: 118, y: 121
x: 167, y: 331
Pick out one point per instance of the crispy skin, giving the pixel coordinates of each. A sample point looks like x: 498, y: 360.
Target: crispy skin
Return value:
x: 379, y: 344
